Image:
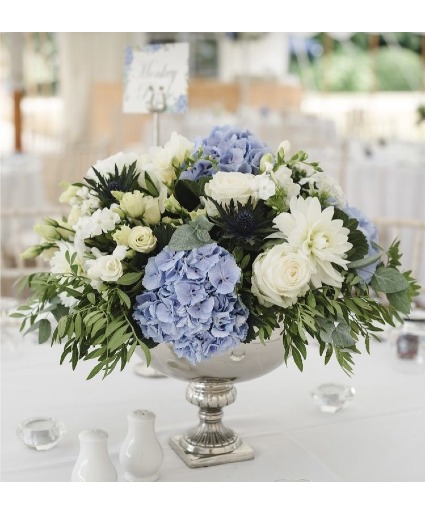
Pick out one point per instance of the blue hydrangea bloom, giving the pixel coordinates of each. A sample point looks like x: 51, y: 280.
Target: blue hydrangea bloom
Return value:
x: 233, y: 150
x: 190, y: 301
x: 368, y: 228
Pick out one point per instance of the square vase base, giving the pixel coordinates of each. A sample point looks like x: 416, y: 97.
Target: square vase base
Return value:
x: 242, y: 453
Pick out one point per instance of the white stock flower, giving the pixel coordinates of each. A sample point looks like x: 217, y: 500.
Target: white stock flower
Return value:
x: 265, y: 187
x: 283, y: 178
x: 101, y: 221
x: 314, y: 233
x: 141, y: 239
x: 107, y: 166
x: 280, y: 276
x: 58, y: 262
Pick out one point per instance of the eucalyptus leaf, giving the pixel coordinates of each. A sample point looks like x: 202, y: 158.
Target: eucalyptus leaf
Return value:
x: 388, y: 280
x: 400, y: 300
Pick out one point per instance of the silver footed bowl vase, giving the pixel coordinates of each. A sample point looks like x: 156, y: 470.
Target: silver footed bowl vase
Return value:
x: 211, y: 388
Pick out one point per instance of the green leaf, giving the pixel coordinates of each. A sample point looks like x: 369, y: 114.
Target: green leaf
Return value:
x: 400, y: 300
x: 150, y: 185
x: 297, y: 358
x: 341, y: 336
x: 124, y: 298
x: 185, y: 238
x: 44, y: 330
x: 361, y: 263
x: 129, y: 278
x: 96, y: 370
x: 91, y: 297
x: 388, y: 280
x: 188, y: 192
x: 114, y: 326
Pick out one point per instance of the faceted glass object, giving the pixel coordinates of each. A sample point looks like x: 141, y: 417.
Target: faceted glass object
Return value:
x: 40, y: 433
x: 331, y: 397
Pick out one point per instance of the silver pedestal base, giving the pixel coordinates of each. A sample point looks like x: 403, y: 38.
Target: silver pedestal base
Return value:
x: 242, y: 453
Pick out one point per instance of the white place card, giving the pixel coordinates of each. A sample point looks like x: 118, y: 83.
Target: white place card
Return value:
x: 159, y: 70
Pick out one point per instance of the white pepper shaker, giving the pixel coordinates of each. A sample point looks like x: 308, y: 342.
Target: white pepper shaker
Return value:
x: 141, y: 454
x: 94, y: 462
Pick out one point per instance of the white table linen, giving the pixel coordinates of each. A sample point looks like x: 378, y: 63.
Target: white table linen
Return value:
x: 379, y: 437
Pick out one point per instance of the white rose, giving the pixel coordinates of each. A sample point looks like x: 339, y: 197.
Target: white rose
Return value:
x: 178, y: 147
x: 280, y: 276
x: 69, y: 194
x: 152, y: 214
x: 141, y: 239
x: 74, y: 215
x: 107, y: 166
x: 106, y: 268
x: 159, y: 165
x: 225, y: 186
x: 133, y: 204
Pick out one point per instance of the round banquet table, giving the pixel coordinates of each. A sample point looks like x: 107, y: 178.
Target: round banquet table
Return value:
x: 380, y: 436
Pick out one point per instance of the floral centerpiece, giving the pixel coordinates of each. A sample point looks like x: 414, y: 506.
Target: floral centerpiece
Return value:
x: 208, y: 245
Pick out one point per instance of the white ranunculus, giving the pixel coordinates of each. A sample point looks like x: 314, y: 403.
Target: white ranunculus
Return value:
x: 280, y: 276
x: 141, y: 239
x: 318, y: 236
x: 107, y: 166
x: 74, y: 215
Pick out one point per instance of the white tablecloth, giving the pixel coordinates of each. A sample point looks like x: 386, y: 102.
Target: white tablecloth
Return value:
x: 379, y: 437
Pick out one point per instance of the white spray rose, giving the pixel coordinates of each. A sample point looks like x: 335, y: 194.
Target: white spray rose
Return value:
x: 106, y: 268
x: 69, y: 194
x: 141, y: 239
x: 152, y: 214
x: 133, y: 204
x: 280, y: 276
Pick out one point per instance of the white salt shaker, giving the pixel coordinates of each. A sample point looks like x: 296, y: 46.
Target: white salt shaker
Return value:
x: 94, y: 462
x: 141, y: 453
